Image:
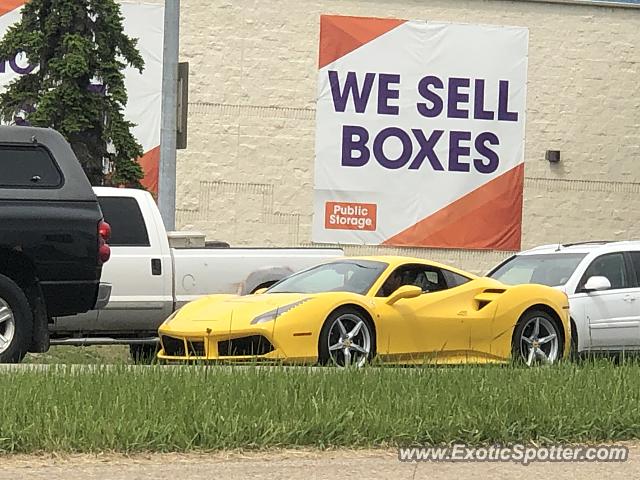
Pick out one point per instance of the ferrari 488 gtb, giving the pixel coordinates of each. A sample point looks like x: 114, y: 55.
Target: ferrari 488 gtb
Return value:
x: 396, y: 309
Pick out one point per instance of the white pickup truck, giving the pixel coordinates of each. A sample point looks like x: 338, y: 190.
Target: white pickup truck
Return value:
x: 150, y: 278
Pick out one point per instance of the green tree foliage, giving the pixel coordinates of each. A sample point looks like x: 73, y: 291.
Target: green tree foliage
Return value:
x: 77, y: 44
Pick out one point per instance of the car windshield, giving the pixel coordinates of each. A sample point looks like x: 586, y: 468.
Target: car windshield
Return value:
x: 552, y: 269
x: 355, y: 276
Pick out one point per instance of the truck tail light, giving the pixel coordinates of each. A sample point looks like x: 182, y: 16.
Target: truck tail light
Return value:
x: 104, y: 230
x: 104, y: 252
x: 104, y: 233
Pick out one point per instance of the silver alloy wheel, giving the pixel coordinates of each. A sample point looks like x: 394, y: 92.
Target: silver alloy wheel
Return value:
x: 7, y: 326
x: 349, y: 341
x: 539, y: 341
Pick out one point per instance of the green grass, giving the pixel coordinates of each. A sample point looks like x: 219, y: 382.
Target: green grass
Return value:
x: 196, y: 408
x: 99, y: 354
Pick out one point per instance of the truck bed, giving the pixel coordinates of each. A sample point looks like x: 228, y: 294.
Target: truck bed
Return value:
x: 150, y: 279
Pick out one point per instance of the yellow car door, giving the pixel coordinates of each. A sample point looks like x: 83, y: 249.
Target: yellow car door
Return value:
x: 450, y: 324
x: 441, y: 326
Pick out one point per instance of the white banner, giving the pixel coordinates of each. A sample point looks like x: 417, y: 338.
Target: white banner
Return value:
x: 420, y: 133
x: 144, y: 22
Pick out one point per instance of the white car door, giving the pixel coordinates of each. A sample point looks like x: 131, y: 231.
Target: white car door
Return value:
x: 610, y: 314
x: 633, y: 260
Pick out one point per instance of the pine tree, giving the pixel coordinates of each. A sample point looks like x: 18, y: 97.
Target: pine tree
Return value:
x: 78, y: 87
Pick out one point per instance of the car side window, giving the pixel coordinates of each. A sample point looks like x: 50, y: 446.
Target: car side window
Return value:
x: 454, y: 279
x: 612, y: 267
x: 429, y: 279
x: 635, y: 260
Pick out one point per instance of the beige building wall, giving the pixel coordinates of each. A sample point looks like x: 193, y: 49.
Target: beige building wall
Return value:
x: 247, y: 175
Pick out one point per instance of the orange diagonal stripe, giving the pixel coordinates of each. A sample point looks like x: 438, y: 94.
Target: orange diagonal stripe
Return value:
x: 489, y: 217
x: 340, y: 35
x: 7, y: 6
x: 149, y: 163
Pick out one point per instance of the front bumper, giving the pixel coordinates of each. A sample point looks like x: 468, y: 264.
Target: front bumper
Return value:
x: 104, y: 294
x: 251, y: 346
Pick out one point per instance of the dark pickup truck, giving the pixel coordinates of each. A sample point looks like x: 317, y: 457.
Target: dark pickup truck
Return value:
x: 53, y: 240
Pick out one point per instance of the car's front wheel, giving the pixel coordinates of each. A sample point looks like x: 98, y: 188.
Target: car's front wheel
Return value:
x: 347, y: 339
x: 537, y: 339
x: 16, y: 322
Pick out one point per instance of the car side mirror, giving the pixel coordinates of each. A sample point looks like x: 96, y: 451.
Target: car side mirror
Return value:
x: 597, y: 283
x: 260, y: 290
x: 406, y: 291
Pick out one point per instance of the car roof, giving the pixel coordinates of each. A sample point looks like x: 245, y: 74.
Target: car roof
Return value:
x: 397, y: 260
x: 597, y: 246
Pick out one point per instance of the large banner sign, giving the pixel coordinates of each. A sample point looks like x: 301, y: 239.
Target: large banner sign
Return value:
x: 141, y: 21
x: 420, y: 134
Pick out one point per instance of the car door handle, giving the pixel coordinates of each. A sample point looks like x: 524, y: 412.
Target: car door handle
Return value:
x: 629, y: 298
x: 156, y: 266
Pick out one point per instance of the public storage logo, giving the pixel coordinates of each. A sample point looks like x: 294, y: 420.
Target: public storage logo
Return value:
x: 350, y: 216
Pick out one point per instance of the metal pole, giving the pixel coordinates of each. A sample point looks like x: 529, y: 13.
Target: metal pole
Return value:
x: 168, y: 131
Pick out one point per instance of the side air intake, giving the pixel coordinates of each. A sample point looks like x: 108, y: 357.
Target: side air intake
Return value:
x: 487, y: 296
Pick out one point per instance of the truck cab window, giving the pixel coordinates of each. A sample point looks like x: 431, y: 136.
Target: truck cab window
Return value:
x: 28, y: 167
x: 127, y: 224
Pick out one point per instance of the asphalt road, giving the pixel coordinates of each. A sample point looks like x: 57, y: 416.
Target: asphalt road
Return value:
x: 285, y: 465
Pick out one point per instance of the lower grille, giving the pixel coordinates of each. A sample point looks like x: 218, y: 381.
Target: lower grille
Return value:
x: 196, y: 348
x: 253, y: 345
x: 173, y: 347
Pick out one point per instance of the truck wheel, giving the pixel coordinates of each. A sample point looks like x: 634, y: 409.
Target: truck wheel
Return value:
x: 143, y: 354
x: 16, y: 322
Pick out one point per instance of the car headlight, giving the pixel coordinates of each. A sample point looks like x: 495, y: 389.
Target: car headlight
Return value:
x: 273, y: 314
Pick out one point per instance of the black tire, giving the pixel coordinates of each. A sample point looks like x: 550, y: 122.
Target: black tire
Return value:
x: 15, y: 300
x: 143, y: 354
x: 524, y: 322
x: 350, y: 316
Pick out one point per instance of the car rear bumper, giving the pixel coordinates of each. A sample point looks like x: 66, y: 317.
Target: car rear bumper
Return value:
x: 104, y: 294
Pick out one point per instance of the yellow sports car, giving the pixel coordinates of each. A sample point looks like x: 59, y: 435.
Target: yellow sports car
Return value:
x: 397, y: 309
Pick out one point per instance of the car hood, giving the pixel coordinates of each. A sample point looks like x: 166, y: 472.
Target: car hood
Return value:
x: 224, y: 312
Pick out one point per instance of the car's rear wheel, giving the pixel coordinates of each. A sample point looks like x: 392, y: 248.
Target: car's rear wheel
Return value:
x: 537, y: 339
x: 347, y: 339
